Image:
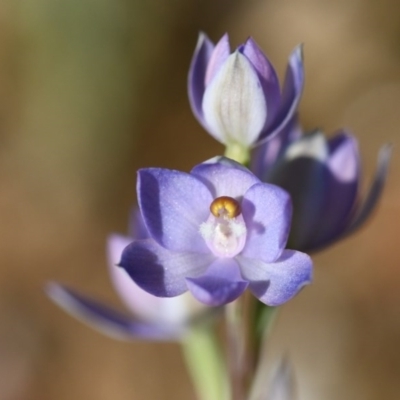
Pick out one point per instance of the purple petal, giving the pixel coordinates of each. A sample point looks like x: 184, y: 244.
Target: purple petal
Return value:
x: 137, y: 228
x: 220, y: 284
x: 197, y: 74
x: 159, y: 271
x: 107, y: 320
x: 276, y: 283
x: 224, y: 178
x: 267, y: 75
x: 265, y: 156
x: 174, y: 205
x: 267, y: 211
x: 218, y: 57
x: 292, y: 90
x: 375, y: 190
x: 303, y: 173
x: 342, y: 182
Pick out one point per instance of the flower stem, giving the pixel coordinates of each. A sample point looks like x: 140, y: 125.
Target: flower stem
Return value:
x: 205, y: 364
x: 236, y: 349
x: 238, y: 153
x: 265, y: 317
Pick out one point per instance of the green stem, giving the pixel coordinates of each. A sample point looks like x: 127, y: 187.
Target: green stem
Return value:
x: 238, y: 153
x: 236, y: 348
x: 205, y: 364
x: 263, y: 322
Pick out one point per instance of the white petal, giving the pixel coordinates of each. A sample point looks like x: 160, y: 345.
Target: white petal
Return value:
x: 234, y: 104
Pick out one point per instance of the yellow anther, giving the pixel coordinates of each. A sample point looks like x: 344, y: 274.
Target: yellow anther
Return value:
x: 225, y: 206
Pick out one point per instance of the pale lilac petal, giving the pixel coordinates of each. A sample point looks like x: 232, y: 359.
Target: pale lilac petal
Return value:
x: 174, y: 205
x: 197, y: 74
x: 267, y: 75
x: 234, y: 105
x: 267, y: 211
x: 132, y: 296
x: 159, y: 271
x: 218, y: 57
x: 282, y: 384
x: 107, y: 320
x: 292, y: 91
x: 375, y: 191
x: 225, y: 178
x: 344, y: 157
x: 276, y: 283
x: 220, y: 284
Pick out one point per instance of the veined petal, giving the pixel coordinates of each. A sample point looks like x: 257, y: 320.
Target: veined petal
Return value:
x: 107, y: 320
x: 174, y: 205
x: 159, y: 271
x: 267, y: 75
x: 220, y: 284
x: 234, y: 105
x: 267, y: 211
x: 292, y: 90
x: 218, y: 57
x: 141, y: 303
x: 276, y: 283
x: 225, y: 177
x: 197, y: 74
x: 375, y: 191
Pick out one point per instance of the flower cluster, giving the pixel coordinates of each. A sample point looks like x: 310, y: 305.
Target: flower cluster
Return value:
x: 224, y: 228
x: 235, y: 222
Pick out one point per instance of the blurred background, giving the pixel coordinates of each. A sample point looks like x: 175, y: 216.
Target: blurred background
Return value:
x: 92, y: 90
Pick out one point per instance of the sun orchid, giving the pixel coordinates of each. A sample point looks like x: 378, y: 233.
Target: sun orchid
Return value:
x: 237, y: 96
x: 215, y: 232
x: 323, y: 177
x: 152, y: 318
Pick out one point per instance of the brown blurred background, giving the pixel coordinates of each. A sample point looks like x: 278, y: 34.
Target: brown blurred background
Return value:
x: 92, y: 90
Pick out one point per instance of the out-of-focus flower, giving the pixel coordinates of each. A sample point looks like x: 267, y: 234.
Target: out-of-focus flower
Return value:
x: 282, y: 383
x: 237, y: 97
x: 323, y: 178
x: 215, y: 231
x: 152, y: 318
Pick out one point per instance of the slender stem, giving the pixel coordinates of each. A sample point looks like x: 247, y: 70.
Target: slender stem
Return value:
x: 204, y: 359
x: 236, y: 348
x: 238, y: 152
x: 265, y: 321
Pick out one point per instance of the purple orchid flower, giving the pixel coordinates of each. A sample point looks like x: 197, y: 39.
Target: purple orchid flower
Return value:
x: 237, y: 97
x: 152, y: 318
x: 215, y: 232
x: 323, y: 177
